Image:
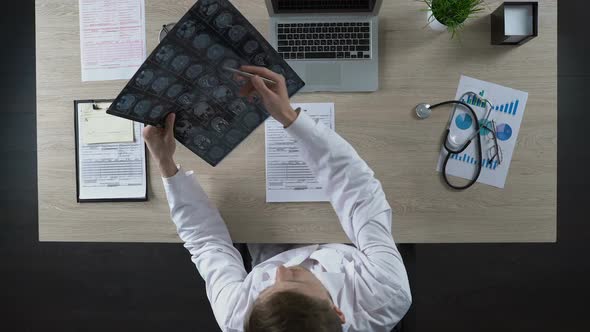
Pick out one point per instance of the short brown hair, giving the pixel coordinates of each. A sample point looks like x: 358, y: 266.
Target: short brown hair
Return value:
x: 289, y: 311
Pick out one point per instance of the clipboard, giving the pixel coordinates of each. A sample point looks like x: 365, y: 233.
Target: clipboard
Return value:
x: 99, y: 192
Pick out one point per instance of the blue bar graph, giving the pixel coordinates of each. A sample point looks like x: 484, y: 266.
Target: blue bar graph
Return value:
x: 486, y: 163
x: 475, y: 100
x: 508, y: 108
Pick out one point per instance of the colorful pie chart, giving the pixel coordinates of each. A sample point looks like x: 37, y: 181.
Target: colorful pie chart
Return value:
x: 463, y: 121
x: 503, y: 132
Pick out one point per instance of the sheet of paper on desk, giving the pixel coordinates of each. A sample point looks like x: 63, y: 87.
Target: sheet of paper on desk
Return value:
x: 100, y: 127
x: 507, y: 113
x: 288, y: 179
x: 112, y: 38
x: 111, y: 170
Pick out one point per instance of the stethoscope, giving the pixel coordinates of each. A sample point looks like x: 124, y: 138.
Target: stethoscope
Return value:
x: 451, y: 143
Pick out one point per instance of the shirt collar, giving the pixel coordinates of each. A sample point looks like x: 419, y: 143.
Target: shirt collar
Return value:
x: 334, y: 284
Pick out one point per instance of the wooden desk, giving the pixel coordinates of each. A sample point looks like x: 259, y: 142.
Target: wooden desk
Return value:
x: 416, y: 65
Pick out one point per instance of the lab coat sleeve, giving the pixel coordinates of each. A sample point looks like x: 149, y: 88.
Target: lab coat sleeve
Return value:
x: 356, y: 195
x: 205, y: 235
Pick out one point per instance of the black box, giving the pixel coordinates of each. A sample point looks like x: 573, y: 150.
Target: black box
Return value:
x: 498, y: 25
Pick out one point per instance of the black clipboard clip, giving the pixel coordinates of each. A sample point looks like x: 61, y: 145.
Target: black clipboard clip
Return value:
x: 95, y: 106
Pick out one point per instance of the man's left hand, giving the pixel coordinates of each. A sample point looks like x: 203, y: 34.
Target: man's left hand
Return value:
x: 161, y: 143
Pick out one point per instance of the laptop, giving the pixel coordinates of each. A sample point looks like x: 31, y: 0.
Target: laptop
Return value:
x: 331, y: 44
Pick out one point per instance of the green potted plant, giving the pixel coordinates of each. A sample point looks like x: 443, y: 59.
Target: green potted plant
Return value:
x: 451, y: 15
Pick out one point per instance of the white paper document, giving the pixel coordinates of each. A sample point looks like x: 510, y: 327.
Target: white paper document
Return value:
x: 101, y: 127
x: 507, y: 112
x: 111, y: 170
x: 288, y: 178
x: 112, y: 38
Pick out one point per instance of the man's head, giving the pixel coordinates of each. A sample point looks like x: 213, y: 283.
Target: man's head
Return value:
x: 296, y: 302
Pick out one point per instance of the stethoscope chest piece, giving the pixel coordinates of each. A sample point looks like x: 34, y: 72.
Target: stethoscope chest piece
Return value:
x: 423, y: 111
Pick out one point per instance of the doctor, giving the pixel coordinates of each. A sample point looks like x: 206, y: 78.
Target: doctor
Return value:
x: 322, y: 287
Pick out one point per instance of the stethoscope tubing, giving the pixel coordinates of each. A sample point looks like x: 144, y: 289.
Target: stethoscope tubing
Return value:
x: 460, y: 150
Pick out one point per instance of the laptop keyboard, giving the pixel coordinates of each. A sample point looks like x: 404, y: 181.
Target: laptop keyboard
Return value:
x: 303, y: 41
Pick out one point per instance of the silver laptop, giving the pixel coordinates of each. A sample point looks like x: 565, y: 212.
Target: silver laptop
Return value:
x: 331, y: 44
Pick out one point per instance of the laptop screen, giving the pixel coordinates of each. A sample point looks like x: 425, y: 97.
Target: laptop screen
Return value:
x: 322, y: 6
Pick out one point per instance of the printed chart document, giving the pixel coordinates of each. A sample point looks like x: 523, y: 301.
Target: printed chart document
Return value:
x: 506, y: 113
x: 110, y: 171
x: 100, y: 127
x: 112, y: 38
x: 288, y: 179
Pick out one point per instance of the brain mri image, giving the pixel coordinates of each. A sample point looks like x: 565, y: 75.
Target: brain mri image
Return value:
x: 207, y: 7
x: 144, y: 77
x: 174, y: 91
x: 216, y: 152
x: 219, y: 125
x: 202, y: 41
x: 252, y: 120
x: 236, y: 33
x: 251, y: 46
x: 203, y: 110
x: 208, y: 81
x: 142, y: 107
x: 235, y: 136
x: 215, y: 52
x: 224, y: 20
x: 125, y: 102
x: 226, y: 74
x: 164, y: 54
x: 201, y: 142
x: 187, y: 29
x: 185, y: 75
x: 222, y: 93
x: 237, y: 107
x: 231, y: 63
x: 182, y: 125
x: 260, y: 59
x: 156, y: 112
x: 180, y: 63
x: 194, y: 71
x: 186, y: 99
x: 160, y: 84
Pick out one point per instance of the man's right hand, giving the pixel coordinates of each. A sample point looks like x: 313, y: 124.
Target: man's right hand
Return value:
x: 161, y: 143
x: 274, y: 97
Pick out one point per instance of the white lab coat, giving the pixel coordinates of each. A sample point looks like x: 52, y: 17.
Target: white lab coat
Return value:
x: 368, y: 282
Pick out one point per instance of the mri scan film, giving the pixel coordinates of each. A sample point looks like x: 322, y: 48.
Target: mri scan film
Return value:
x: 185, y: 75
